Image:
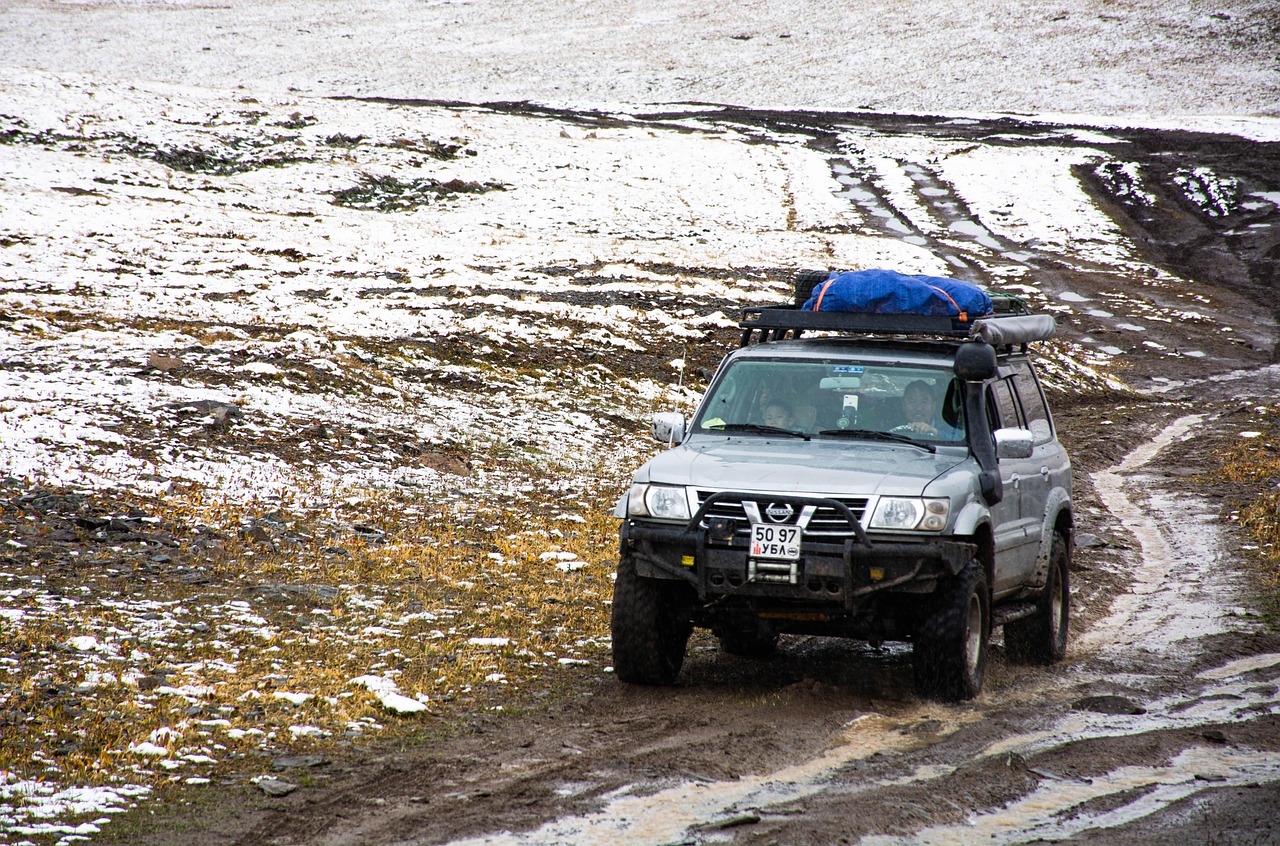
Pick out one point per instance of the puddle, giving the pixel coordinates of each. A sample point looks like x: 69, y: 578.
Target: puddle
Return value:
x: 665, y: 816
x: 979, y: 234
x: 1242, y: 666
x: 1272, y: 197
x: 1050, y: 813
x: 1073, y: 297
x: 1259, y: 384
x: 1177, y: 586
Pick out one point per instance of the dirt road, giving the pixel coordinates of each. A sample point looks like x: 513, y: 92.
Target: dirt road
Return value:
x: 1163, y: 726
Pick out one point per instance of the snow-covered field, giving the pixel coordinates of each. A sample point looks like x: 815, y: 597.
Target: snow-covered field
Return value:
x: 1146, y: 60
x: 364, y: 376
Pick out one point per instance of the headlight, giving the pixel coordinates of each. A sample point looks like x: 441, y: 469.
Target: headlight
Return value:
x: 927, y: 515
x: 663, y: 502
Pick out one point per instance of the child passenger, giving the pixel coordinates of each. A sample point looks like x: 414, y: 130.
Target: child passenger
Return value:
x: 778, y: 414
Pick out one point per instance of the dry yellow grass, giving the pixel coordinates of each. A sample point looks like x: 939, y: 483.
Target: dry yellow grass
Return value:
x: 1254, y: 463
x: 461, y: 606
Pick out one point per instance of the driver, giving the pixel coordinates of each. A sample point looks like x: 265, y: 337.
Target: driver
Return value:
x: 920, y: 407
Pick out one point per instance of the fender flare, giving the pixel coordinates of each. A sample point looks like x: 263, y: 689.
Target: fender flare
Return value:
x: 1058, y: 502
x: 971, y: 516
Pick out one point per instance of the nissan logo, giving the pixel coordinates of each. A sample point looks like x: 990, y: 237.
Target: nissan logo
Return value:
x: 779, y: 512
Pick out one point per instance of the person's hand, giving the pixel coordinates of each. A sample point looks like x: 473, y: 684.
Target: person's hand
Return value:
x: 918, y: 427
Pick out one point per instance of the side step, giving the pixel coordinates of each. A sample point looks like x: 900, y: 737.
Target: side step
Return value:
x: 1009, y: 613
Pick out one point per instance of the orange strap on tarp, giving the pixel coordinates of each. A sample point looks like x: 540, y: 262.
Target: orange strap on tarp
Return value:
x: 960, y: 315
x: 825, y: 285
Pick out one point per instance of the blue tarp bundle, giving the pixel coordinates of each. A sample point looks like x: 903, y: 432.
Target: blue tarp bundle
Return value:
x: 891, y: 292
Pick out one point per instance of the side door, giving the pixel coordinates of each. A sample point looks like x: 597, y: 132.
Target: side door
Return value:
x: 1049, y: 463
x: 1015, y: 547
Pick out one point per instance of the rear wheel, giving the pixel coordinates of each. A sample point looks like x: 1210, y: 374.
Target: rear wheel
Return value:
x: 1042, y: 637
x: 651, y: 627
x: 949, y: 658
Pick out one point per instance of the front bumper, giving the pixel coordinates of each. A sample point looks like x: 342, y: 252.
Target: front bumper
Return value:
x: 714, y: 560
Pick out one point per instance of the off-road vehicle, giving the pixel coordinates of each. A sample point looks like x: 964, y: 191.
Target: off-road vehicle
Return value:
x: 803, y: 498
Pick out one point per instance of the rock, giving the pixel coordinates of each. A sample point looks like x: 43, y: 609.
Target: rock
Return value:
x: 276, y: 787
x: 1084, y: 540
x: 369, y: 534
x: 442, y: 463
x: 163, y: 363
x: 1108, y: 705
x: 216, y: 409
x: 256, y: 534
x: 294, y: 593
x: 289, y: 762
x: 748, y: 818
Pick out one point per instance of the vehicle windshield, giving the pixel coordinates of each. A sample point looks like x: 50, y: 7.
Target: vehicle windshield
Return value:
x: 844, y: 400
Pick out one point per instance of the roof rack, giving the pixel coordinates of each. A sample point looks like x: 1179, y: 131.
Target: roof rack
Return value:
x: 1010, y: 324
x: 777, y: 323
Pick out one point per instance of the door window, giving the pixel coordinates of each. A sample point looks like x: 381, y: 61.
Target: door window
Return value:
x: 1002, y: 407
x: 1032, y: 401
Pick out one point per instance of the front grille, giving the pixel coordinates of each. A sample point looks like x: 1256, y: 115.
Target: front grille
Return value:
x: 827, y: 524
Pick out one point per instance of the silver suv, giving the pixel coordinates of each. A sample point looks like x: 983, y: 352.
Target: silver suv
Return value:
x: 896, y: 479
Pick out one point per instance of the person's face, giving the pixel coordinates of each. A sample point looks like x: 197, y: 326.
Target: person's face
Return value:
x: 918, y: 406
x: 776, y: 415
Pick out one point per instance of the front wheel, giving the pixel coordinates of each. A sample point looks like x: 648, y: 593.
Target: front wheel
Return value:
x: 949, y: 658
x: 651, y: 627
x: 1042, y: 637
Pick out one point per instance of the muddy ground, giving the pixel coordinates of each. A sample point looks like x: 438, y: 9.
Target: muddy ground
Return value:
x: 1148, y: 733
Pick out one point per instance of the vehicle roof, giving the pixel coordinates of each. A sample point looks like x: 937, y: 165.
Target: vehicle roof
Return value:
x: 887, y: 349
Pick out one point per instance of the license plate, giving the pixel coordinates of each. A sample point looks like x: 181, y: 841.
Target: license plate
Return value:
x: 780, y: 543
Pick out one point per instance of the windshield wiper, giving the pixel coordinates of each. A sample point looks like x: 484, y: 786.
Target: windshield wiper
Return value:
x: 756, y: 427
x: 875, y: 435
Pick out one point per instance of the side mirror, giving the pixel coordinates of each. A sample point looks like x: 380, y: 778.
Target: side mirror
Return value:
x: 1014, y: 443
x: 975, y: 362
x: 668, y: 427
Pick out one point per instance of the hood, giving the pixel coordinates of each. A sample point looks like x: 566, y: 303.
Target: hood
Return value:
x: 818, y: 466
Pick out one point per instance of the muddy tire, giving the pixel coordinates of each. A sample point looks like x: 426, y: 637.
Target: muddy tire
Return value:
x: 651, y: 627
x: 755, y: 639
x: 1042, y: 637
x: 949, y: 658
